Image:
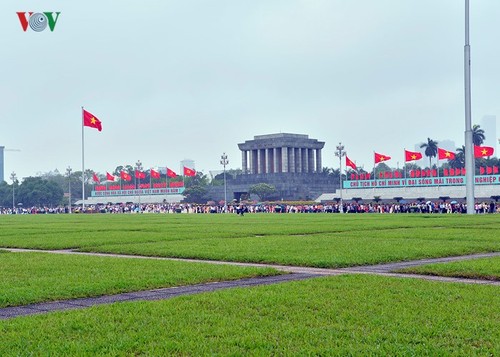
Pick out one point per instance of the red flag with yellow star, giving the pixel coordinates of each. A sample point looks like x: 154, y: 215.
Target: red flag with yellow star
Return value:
x: 125, y: 176
x: 154, y: 174
x: 381, y: 158
x: 483, y: 151
x: 412, y: 155
x: 445, y: 154
x: 350, y: 163
x: 189, y: 172
x: 91, y: 121
x: 171, y: 173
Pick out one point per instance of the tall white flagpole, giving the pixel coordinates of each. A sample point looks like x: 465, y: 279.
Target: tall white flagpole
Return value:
x: 469, y: 153
x: 83, y: 164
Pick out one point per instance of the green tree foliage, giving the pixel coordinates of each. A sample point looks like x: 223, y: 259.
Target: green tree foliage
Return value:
x: 36, y: 191
x: 200, y: 179
x: 459, y: 161
x: 263, y: 190
x: 195, y: 194
x: 477, y: 135
x: 5, y: 194
x: 431, y: 149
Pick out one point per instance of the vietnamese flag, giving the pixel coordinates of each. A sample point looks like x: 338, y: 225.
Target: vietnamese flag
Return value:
x: 189, y: 172
x: 171, y: 173
x: 483, y: 151
x: 154, y: 173
x: 445, y: 154
x: 125, y: 176
x: 140, y: 174
x: 109, y: 177
x: 412, y: 155
x: 95, y: 178
x: 91, y: 121
x: 351, y: 164
x: 381, y: 158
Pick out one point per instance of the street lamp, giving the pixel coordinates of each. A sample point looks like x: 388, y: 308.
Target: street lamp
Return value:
x: 224, y: 161
x: 138, y: 169
x: 13, y: 177
x: 340, y: 153
x: 68, y: 172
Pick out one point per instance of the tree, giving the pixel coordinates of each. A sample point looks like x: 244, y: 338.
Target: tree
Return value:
x: 263, y: 190
x: 200, y: 179
x: 459, y: 161
x: 431, y: 149
x: 5, y: 194
x: 477, y: 135
x: 36, y: 191
x: 195, y: 194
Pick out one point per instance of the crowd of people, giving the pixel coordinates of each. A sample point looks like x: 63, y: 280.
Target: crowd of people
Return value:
x: 346, y: 207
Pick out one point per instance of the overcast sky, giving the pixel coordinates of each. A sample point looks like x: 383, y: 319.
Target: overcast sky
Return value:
x: 181, y: 79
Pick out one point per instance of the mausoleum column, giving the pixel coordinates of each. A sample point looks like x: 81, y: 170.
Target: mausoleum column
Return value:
x: 298, y: 159
x: 284, y: 159
x: 269, y: 161
x: 318, y: 160
x: 305, y: 160
x: 244, y: 161
x: 291, y: 163
x: 253, y: 162
x: 277, y: 160
x: 310, y: 160
x: 259, y: 161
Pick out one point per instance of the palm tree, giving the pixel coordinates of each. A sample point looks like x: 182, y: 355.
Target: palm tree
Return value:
x: 459, y: 161
x: 477, y: 135
x: 431, y: 149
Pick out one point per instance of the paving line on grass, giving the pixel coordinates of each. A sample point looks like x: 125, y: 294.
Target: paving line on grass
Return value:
x: 296, y: 273
x: 368, y: 269
x: 146, y: 295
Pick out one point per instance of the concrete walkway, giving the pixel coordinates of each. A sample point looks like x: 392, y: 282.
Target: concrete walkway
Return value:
x: 296, y: 273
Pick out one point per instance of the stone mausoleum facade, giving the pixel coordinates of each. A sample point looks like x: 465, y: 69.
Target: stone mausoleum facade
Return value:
x: 289, y: 162
x: 281, y: 153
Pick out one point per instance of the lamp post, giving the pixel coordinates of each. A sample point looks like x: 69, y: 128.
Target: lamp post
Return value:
x: 224, y: 161
x: 13, y: 177
x: 138, y: 168
x: 340, y: 153
x: 68, y: 172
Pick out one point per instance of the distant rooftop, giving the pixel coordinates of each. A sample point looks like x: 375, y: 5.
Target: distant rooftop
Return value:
x: 281, y: 135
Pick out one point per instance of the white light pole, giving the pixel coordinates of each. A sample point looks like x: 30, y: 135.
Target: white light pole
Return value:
x: 138, y: 169
x: 469, y: 152
x: 340, y: 153
x: 224, y: 161
x: 13, y: 177
x: 68, y: 172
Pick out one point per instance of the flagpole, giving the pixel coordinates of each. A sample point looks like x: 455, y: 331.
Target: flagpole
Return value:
x: 83, y: 165
x: 404, y: 166
x: 469, y: 153
x: 374, y: 165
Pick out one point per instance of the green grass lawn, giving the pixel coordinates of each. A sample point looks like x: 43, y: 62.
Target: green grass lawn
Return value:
x: 321, y: 240
x: 342, y: 315
x: 36, y: 277
x: 484, y: 268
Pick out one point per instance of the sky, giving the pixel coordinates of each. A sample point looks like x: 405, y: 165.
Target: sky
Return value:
x: 190, y: 79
